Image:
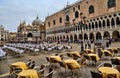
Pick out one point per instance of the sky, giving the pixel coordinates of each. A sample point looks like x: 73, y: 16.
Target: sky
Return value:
x: 14, y: 11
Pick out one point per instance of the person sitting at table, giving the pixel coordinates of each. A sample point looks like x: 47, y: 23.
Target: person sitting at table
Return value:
x: 32, y: 65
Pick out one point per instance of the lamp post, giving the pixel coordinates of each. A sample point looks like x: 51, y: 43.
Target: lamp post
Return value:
x: 82, y: 25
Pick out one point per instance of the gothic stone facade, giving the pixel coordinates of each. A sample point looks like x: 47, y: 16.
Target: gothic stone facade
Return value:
x: 101, y: 20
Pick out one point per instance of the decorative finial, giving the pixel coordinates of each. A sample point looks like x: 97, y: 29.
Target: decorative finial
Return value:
x: 67, y: 3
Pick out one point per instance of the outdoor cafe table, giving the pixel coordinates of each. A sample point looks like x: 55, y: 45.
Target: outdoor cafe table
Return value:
x: 89, y: 51
x: 97, y: 58
x: 108, y: 71
x: 72, y: 62
x: 75, y: 53
x: 28, y: 74
x: 117, y: 58
x: 107, y: 52
x: 55, y: 58
x: 20, y: 65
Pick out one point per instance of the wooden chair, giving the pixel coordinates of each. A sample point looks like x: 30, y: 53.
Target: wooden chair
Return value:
x: 107, y: 65
x: 49, y: 74
x: 111, y: 76
x: 118, y: 67
x: 96, y: 75
x: 115, y: 61
x: 72, y: 70
x: 94, y: 59
x: 42, y: 68
x: 104, y: 65
x: 63, y: 65
x: 32, y: 65
x: 68, y: 54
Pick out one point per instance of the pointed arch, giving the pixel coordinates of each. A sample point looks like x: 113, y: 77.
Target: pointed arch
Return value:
x: 91, y: 36
x: 91, y: 9
x: 112, y: 22
x: 108, y: 23
x: 85, y: 36
x: 71, y: 38
x: 115, y: 35
x: 103, y: 23
x: 99, y: 24
x: 106, y: 34
x: 92, y: 25
x: 98, y: 36
x: 96, y: 24
x: 76, y: 14
x: 117, y: 21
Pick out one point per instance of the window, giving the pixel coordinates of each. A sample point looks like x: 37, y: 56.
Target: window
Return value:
x: 96, y: 25
x: 111, y: 3
x: 67, y: 18
x: 76, y: 14
x: 91, y: 9
x: 49, y: 24
x: 53, y: 22
x: 103, y: 23
x: 108, y: 22
x: 92, y: 25
x: 112, y: 22
x: 99, y: 24
x: 60, y: 20
x: 78, y: 7
x: 117, y: 21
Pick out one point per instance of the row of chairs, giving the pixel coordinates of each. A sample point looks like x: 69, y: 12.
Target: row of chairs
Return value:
x: 41, y: 71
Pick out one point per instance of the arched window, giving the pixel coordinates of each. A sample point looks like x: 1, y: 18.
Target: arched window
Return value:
x: 67, y: 18
x: 49, y: 24
x: 108, y: 22
x: 76, y: 14
x: 103, y: 23
x: 92, y: 25
x: 60, y: 20
x: 53, y: 22
x: 117, y: 21
x: 112, y: 22
x: 89, y: 26
x: 91, y: 9
x: 96, y: 25
x: 99, y: 24
x: 111, y: 3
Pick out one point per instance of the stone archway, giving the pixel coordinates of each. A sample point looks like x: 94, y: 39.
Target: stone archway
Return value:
x: 106, y: 34
x: 98, y: 36
x: 80, y: 36
x: 29, y: 35
x: 91, y: 36
x: 75, y: 38
x: 71, y: 38
x: 115, y: 35
x: 85, y: 36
